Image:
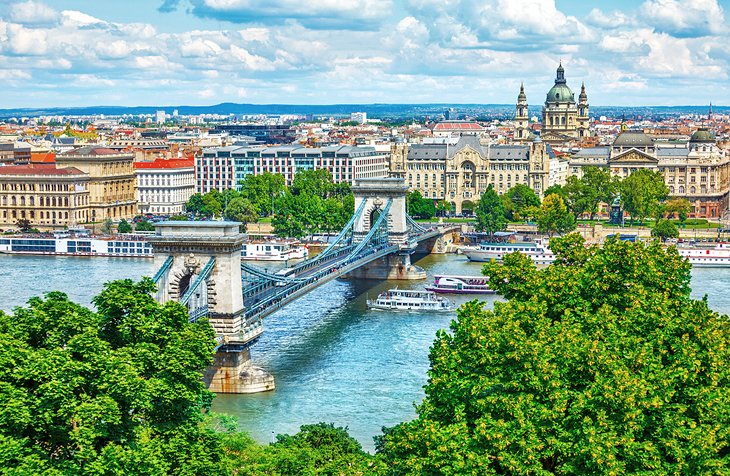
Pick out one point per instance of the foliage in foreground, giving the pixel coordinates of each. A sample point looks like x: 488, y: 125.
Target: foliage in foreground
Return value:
x: 117, y: 391
x: 598, y: 364
x: 320, y: 449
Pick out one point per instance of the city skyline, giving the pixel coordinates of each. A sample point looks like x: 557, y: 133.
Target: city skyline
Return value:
x: 199, y: 52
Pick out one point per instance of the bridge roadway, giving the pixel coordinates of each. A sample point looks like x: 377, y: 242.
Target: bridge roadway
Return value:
x: 265, y: 298
x: 271, y: 298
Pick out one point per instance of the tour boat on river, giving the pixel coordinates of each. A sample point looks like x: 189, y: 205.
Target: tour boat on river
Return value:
x: 460, y: 285
x: 273, y: 250
x: 77, y: 243
x: 409, y: 300
x: 537, y: 252
x: 717, y: 256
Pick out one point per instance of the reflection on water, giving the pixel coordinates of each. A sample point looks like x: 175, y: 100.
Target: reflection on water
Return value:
x: 334, y: 359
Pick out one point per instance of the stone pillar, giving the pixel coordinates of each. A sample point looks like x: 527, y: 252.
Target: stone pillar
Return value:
x: 233, y: 372
x: 192, y: 244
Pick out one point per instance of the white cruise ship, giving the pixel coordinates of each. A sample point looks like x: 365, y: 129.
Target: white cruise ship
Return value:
x: 273, y: 251
x: 124, y: 246
x: 717, y: 256
x: 537, y: 252
x: 408, y: 300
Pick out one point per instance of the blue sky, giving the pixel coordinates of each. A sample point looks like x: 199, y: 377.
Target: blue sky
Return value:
x: 196, y: 52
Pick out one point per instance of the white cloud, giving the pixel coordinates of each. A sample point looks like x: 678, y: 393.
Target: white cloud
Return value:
x: 32, y: 13
x: 609, y: 21
x: 26, y: 41
x: 684, y: 17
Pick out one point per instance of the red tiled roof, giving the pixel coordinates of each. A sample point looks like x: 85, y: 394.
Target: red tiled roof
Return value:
x: 42, y: 157
x: 165, y: 164
x: 457, y: 126
x: 38, y: 169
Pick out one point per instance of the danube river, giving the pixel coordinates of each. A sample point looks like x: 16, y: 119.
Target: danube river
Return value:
x: 333, y: 359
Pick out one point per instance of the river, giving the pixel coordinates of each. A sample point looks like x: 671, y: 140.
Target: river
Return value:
x: 334, y: 360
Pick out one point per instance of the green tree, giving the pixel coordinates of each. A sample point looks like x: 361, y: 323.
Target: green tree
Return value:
x: 553, y: 216
x: 24, y: 225
x: 679, y: 206
x: 601, y: 363
x: 195, y: 204
x: 107, y: 226
x: 490, y: 212
x: 319, y: 449
x: 116, y: 391
x: 578, y: 196
x: 641, y: 193
x: 664, y: 229
x: 599, y: 188
x: 241, y: 210
x: 419, y: 207
x: 263, y: 190
x: 124, y: 226
x: 144, y: 225
x: 557, y: 189
x: 313, y: 182
x: 521, y: 197
x: 212, y: 204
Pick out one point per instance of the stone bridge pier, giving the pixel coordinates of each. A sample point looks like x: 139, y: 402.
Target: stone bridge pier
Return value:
x: 376, y: 192
x: 200, y: 266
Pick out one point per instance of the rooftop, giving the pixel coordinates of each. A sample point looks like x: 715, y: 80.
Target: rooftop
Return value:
x: 39, y: 169
x: 165, y: 164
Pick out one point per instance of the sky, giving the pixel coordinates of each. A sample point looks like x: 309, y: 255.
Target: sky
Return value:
x: 203, y: 52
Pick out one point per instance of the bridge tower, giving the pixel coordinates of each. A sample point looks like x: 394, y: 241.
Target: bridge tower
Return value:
x: 199, y: 265
x: 376, y: 192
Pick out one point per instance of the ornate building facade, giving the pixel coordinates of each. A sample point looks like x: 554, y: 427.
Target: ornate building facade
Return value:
x: 44, y: 195
x: 698, y: 170
x: 112, y: 185
x: 458, y: 170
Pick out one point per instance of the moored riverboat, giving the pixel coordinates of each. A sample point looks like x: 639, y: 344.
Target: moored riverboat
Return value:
x: 274, y: 250
x: 717, y: 256
x: 410, y: 300
x: 446, y: 284
x: 537, y: 252
x: 65, y: 244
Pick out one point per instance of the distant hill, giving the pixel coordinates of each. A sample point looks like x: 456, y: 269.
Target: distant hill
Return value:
x: 389, y: 111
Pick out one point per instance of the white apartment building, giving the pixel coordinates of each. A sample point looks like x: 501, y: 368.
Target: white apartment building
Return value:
x: 222, y: 168
x: 164, y: 186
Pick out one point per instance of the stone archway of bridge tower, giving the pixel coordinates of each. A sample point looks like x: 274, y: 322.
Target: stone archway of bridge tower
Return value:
x: 183, y: 274
x: 376, y: 192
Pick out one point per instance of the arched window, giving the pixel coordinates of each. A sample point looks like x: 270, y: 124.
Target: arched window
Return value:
x: 22, y: 201
x: 671, y: 189
x: 562, y: 120
x: 32, y: 201
x: 681, y: 189
x: 692, y: 190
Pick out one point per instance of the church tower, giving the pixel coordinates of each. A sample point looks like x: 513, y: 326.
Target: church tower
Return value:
x: 582, y: 112
x: 560, y: 113
x: 521, y: 116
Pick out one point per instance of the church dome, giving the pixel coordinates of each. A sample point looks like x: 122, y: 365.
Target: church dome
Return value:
x: 560, y: 93
x: 633, y: 139
x: 702, y: 135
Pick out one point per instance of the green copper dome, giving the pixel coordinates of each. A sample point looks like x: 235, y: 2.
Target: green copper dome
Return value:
x: 560, y: 93
x: 702, y: 135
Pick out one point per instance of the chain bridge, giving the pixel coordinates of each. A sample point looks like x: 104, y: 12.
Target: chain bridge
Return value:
x: 200, y: 266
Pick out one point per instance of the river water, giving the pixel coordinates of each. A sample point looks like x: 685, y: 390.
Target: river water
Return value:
x: 334, y: 360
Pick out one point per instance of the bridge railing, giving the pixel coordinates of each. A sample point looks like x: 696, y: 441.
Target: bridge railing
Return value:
x: 198, y: 281
x: 163, y: 269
